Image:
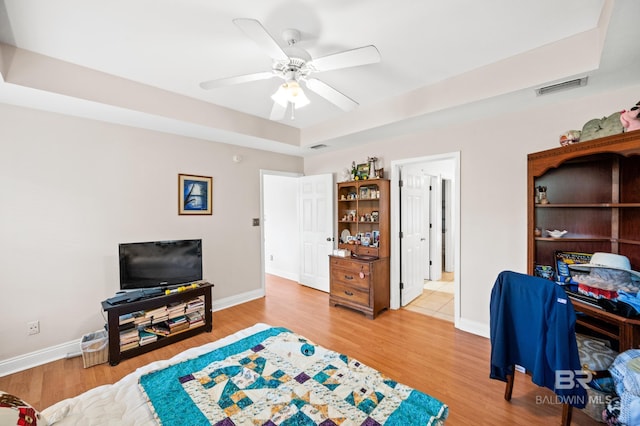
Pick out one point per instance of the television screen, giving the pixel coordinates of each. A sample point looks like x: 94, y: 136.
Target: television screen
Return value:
x: 159, y: 263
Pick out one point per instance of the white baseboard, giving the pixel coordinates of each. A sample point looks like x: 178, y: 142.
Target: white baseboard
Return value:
x: 227, y: 302
x: 70, y: 349
x: 284, y: 274
x: 42, y: 356
x: 474, y: 327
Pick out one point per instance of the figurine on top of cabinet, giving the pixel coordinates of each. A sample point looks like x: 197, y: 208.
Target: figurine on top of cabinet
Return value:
x: 631, y: 119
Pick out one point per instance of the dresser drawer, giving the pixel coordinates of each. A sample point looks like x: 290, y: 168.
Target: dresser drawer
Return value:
x: 352, y: 277
x: 349, y: 293
x: 350, y: 265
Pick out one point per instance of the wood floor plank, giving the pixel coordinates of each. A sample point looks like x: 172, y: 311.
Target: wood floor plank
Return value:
x: 423, y: 352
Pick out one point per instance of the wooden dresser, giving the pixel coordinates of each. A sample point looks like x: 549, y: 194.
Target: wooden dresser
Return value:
x: 360, y: 284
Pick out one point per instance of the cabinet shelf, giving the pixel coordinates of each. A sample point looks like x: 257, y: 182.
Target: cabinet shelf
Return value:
x: 593, y: 190
x: 587, y: 205
x: 572, y: 239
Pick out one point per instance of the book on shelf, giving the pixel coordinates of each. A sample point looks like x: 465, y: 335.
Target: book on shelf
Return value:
x: 130, y: 345
x: 160, y: 329
x: 195, y: 319
x: 194, y: 305
x: 128, y: 336
x: 146, y: 337
x: 126, y: 319
x: 176, y: 309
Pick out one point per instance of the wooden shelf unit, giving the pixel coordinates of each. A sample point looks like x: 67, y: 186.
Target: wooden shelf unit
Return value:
x: 114, y: 312
x: 361, y: 282
x: 594, y: 193
x: 593, y: 190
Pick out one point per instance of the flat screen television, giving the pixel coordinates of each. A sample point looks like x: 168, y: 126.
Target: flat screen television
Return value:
x: 159, y: 263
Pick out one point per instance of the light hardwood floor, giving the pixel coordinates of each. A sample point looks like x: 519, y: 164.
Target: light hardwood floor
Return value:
x: 423, y: 352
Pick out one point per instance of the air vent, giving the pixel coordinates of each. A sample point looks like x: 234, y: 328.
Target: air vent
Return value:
x: 319, y: 146
x: 565, y: 85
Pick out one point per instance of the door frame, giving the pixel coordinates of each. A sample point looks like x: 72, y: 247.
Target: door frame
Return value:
x: 395, y: 226
x: 262, y: 222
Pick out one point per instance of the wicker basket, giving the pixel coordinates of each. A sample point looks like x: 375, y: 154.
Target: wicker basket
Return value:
x: 95, y: 348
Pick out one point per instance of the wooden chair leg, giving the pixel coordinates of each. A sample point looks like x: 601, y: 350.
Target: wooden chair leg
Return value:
x: 509, y: 387
x: 567, y: 411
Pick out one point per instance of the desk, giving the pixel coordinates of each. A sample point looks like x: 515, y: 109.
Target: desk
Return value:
x: 625, y: 331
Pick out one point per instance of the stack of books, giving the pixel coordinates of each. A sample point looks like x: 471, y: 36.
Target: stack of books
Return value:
x: 176, y: 309
x: 157, y: 315
x: 195, y: 305
x: 129, y: 339
x: 178, y: 324
x: 146, y: 337
x: 195, y: 319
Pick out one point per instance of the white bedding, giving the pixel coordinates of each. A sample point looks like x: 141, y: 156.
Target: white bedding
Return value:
x: 122, y: 402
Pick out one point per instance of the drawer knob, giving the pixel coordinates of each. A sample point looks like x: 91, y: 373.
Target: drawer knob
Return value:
x: 348, y: 277
x: 348, y: 293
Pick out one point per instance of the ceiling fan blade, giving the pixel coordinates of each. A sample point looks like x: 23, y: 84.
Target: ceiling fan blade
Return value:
x: 332, y: 95
x: 214, y: 84
x: 277, y: 112
x: 261, y: 36
x: 348, y: 58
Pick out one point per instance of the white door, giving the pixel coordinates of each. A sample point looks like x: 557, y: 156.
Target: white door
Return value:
x: 414, y: 212
x: 316, y: 230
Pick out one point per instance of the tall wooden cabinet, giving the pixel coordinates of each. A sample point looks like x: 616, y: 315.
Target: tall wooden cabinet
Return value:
x: 593, y: 192
x: 361, y: 281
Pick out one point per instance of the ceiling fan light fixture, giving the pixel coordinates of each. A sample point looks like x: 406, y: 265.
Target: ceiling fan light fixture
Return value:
x: 290, y: 92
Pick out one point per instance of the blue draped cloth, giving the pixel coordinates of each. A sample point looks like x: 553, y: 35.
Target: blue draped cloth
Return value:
x: 532, y: 324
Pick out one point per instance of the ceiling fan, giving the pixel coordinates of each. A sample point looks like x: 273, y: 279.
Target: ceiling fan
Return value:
x: 294, y: 65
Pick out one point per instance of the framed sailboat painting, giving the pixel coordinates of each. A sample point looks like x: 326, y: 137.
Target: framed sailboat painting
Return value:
x: 194, y: 194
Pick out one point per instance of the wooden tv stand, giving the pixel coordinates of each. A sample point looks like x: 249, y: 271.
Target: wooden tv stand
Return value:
x: 115, y: 311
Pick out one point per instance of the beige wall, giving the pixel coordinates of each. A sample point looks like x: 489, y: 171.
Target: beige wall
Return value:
x: 72, y: 189
x: 493, y: 189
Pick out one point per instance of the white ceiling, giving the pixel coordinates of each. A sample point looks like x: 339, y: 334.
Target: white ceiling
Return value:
x: 175, y: 45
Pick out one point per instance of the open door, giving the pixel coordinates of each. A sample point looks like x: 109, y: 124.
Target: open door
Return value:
x: 316, y: 229
x: 414, y: 245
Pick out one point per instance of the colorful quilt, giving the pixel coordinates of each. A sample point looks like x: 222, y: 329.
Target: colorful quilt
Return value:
x: 276, y: 377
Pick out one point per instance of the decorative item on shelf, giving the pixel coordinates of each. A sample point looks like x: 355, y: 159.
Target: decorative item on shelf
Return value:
x: 541, y: 195
x: 354, y: 171
x: 544, y: 271
x: 372, y: 166
x: 630, y: 119
x: 555, y: 233
x: 537, y: 232
x: 362, y: 171
x: 569, y: 137
x: 601, y: 127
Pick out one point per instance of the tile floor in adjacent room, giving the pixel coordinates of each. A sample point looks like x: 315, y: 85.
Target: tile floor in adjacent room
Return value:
x: 436, y: 299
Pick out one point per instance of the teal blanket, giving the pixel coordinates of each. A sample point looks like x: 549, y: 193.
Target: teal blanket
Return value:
x: 276, y: 377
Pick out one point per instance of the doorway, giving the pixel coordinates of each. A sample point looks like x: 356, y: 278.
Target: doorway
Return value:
x: 440, y: 283
x: 297, y: 222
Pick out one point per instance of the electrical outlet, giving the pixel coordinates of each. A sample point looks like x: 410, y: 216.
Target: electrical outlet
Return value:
x: 33, y: 327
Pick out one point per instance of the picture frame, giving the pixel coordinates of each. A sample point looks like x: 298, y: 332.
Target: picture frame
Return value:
x: 195, y: 195
x: 362, y: 171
